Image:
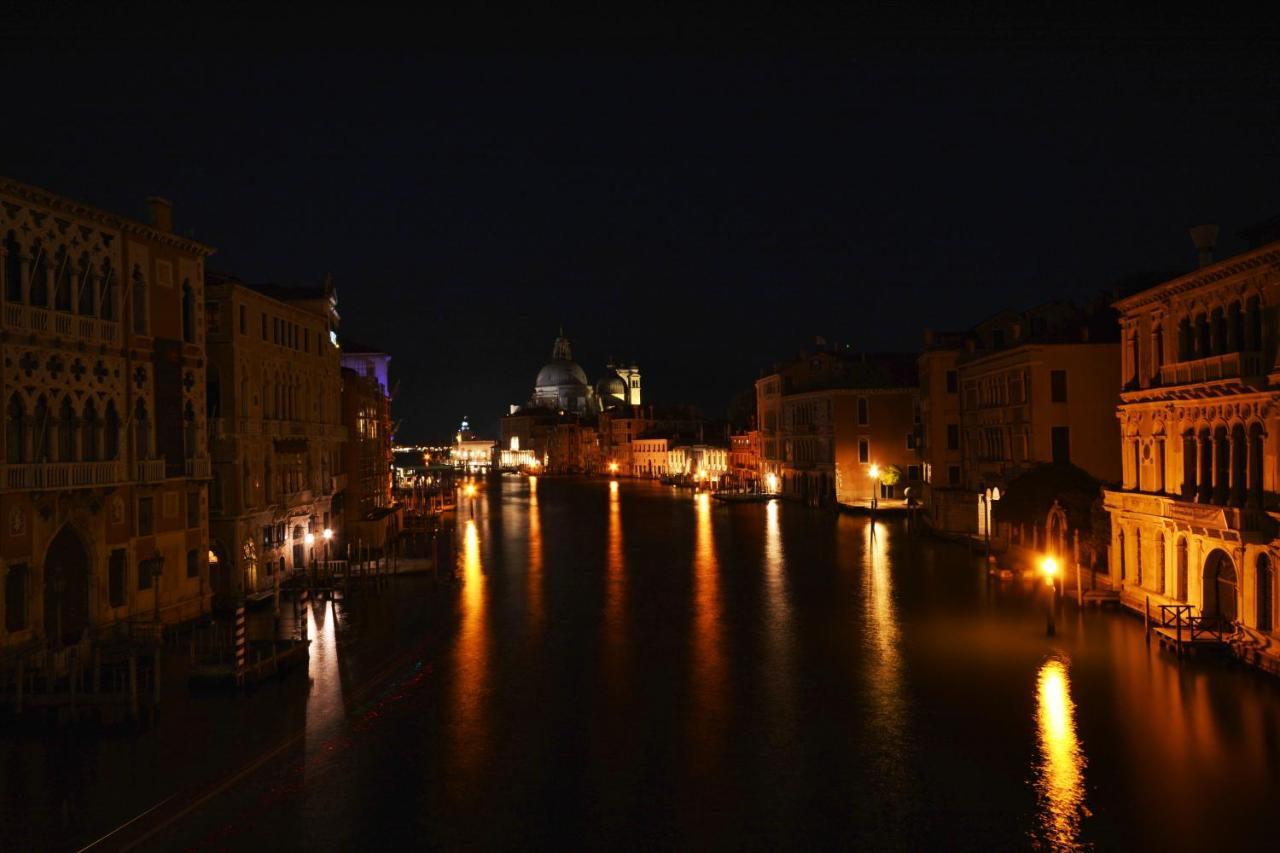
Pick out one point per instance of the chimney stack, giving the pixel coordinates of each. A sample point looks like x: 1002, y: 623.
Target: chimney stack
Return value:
x: 1205, y: 238
x: 161, y: 213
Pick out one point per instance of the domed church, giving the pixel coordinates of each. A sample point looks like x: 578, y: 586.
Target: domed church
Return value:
x: 562, y: 384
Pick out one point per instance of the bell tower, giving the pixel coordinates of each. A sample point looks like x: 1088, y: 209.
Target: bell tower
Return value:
x: 631, y: 376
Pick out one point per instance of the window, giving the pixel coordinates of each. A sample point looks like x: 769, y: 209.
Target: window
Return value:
x: 188, y: 312
x: 913, y: 473
x: 864, y: 450
x: 193, y: 509
x: 864, y: 411
x: 15, y: 598
x: 953, y: 436
x: 146, y: 568
x: 146, y: 516
x: 139, y: 303
x: 244, y: 320
x: 1061, y: 445
x: 264, y: 327
x: 953, y: 382
x: 911, y: 441
x: 193, y: 563
x: 115, y: 577
x: 1058, y: 386
x: 953, y: 475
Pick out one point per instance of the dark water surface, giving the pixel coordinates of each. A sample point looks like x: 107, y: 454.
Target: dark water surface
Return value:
x: 635, y: 666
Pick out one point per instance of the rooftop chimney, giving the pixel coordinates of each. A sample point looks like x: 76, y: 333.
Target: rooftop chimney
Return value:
x: 161, y: 213
x: 1205, y: 237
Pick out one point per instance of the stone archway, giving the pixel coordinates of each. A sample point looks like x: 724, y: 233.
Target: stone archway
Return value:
x: 1219, y: 586
x: 66, y: 587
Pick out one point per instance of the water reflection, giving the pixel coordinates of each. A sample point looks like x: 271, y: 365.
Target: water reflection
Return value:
x: 534, y: 576
x: 615, y: 583
x: 882, y: 626
x: 470, y: 652
x: 778, y: 628
x: 1060, y: 775
x: 708, y: 664
x: 325, y: 703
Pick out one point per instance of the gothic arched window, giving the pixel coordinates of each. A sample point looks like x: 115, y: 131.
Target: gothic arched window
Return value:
x: 138, y: 304
x: 15, y: 431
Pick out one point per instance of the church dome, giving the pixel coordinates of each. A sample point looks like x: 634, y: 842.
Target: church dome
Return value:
x: 611, y: 388
x: 561, y: 372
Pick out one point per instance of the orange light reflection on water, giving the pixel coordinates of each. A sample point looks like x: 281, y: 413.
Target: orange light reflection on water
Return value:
x: 471, y: 654
x: 708, y: 661
x: 1060, y: 774
x: 615, y: 585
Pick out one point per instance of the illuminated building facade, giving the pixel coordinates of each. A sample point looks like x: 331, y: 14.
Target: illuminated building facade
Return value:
x: 276, y: 429
x: 744, y: 459
x: 1194, y: 520
x: 364, y: 487
x: 698, y: 462
x: 1019, y: 390
x: 471, y: 453
x: 103, y: 486
x: 827, y: 418
x: 649, y: 457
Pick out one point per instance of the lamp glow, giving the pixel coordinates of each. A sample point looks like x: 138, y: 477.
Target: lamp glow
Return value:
x: 327, y: 534
x: 874, y: 472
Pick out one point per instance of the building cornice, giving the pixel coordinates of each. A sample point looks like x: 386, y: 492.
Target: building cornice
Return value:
x: 71, y: 207
x: 1259, y: 258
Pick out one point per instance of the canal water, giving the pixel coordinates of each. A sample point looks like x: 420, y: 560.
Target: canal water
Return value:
x: 634, y: 666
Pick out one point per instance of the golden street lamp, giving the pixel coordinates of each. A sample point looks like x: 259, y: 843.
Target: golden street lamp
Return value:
x: 327, y: 534
x: 613, y: 467
x: 1049, y: 566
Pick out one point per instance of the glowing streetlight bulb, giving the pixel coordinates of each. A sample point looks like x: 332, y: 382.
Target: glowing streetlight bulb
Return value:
x: 310, y: 539
x: 874, y: 472
x: 1050, y: 568
x: 327, y: 534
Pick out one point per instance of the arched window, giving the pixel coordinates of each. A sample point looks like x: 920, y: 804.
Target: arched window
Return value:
x: 1265, y: 593
x: 1235, y: 327
x: 1219, y: 322
x: 39, y: 275
x: 15, y: 431
x: 141, y: 431
x: 90, y: 433
x: 1203, y: 343
x: 1186, y: 340
x: 1123, y: 561
x: 107, y: 302
x: 40, y: 431
x: 246, y: 486
x: 188, y: 312
x: 138, y: 304
x: 62, y: 280
x: 111, y: 432
x: 1253, y: 323
x: 12, y: 269
x: 1159, y: 578
x: 1137, y: 557
x: 86, y: 287
x: 67, y: 423
x: 1180, y: 592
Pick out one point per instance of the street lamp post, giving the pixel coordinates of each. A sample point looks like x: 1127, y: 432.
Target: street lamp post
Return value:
x: 1050, y: 567
x: 310, y: 540
x: 327, y: 534
x: 874, y: 473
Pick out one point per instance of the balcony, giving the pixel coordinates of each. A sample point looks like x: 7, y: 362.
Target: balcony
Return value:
x: 149, y: 470
x: 62, y: 475
x: 1229, y: 365
x: 199, y: 468
x: 29, y: 318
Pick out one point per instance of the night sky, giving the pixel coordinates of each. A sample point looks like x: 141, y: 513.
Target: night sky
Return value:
x: 702, y: 196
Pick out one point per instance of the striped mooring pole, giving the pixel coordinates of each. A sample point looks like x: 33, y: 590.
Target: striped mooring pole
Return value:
x: 240, y: 642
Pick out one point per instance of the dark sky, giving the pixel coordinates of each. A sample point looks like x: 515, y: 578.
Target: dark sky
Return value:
x: 700, y: 195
